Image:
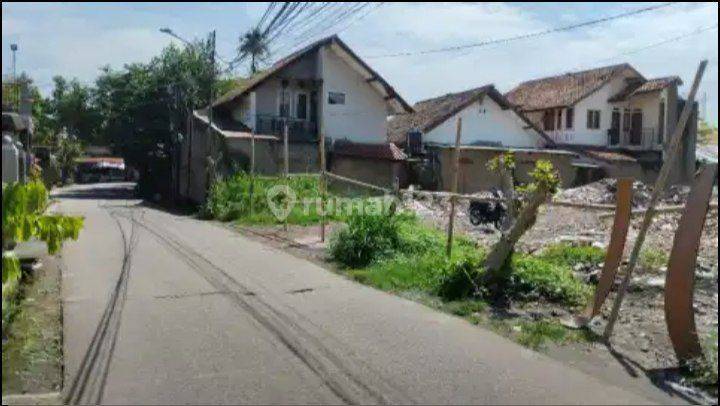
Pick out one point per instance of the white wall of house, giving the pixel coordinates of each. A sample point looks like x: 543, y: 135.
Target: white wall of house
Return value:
x: 485, y: 122
x: 363, y: 116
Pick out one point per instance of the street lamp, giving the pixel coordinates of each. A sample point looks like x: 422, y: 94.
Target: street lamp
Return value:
x: 168, y: 31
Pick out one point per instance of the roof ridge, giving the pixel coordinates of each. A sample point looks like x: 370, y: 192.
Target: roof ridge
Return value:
x: 575, y: 73
x: 483, y: 88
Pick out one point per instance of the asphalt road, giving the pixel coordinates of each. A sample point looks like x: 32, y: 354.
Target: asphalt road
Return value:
x: 166, y: 309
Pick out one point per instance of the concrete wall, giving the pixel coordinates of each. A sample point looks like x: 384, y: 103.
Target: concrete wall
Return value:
x: 198, y: 152
x: 363, y: 117
x: 374, y: 171
x: 487, y: 123
x: 474, y: 175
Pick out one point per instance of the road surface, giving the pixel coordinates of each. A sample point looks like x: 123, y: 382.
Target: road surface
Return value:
x: 166, y: 309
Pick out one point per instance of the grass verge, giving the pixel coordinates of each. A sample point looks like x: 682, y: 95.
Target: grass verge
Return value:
x: 400, y: 255
x: 32, y: 355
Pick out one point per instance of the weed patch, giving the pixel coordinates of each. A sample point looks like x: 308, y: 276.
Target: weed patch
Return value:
x: 703, y: 373
x: 569, y: 255
x: 653, y: 258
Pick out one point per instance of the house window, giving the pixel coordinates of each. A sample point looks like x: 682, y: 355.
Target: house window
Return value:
x: 569, y: 117
x: 301, y: 111
x: 336, y: 98
x: 593, y: 119
x: 548, y: 120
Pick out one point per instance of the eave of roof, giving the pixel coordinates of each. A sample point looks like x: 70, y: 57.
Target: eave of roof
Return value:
x: 477, y: 95
x: 648, y: 86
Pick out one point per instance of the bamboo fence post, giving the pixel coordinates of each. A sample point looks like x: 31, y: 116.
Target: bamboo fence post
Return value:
x: 286, y: 161
x: 322, y: 187
x: 252, y: 173
x: 453, y: 187
x: 659, y: 188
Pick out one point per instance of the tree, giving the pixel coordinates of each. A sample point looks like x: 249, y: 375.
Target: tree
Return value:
x: 144, y: 107
x: 545, y: 182
x: 254, y: 45
x: 67, y: 153
x: 707, y: 134
x: 71, y: 108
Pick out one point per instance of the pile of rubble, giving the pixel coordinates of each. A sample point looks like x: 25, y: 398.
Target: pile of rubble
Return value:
x: 603, y: 192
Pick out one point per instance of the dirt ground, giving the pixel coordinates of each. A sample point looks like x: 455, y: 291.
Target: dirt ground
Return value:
x: 32, y: 356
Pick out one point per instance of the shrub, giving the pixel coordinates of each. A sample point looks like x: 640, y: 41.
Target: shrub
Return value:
x: 530, y: 278
x: 365, y: 239
x: 653, y: 258
x: 535, y: 278
x: 231, y: 199
x: 569, y: 255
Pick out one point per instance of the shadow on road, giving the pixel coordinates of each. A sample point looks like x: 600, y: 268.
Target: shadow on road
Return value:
x: 98, y: 191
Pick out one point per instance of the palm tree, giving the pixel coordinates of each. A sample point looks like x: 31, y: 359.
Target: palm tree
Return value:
x: 253, y: 45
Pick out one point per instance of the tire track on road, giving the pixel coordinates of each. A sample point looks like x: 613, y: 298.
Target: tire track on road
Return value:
x: 88, y: 385
x: 336, y: 373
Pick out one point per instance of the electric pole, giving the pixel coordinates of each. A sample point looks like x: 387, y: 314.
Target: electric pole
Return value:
x: 14, y: 48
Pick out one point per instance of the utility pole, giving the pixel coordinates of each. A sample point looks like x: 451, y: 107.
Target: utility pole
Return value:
x: 212, y: 78
x: 14, y: 48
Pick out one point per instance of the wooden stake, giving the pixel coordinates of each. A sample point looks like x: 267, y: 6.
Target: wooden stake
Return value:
x: 286, y: 150
x: 286, y: 160
x: 322, y: 186
x: 453, y: 187
x: 252, y: 173
x: 660, y: 184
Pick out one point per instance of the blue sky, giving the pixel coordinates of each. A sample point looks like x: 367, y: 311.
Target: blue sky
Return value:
x: 74, y: 40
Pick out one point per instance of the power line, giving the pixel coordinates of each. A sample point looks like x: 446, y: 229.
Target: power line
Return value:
x: 663, y: 42
x: 526, y: 36
x: 328, y: 24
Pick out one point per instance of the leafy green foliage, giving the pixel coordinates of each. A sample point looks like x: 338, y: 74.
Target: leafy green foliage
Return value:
x: 366, y: 238
x: 570, y: 255
x: 10, y: 268
x: 505, y: 161
x: 703, y: 372
x: 706, y: 133
x: 530, y: 278
x: 232, y: 198
x: 254, y: 45
x: 536, y: 278
x: 23, y: 206
x: 653, y: 258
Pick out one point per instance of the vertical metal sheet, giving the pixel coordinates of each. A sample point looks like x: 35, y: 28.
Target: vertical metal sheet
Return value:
x: 680, y: 280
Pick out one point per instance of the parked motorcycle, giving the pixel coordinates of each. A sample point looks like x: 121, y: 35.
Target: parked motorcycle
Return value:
x: 486, y: 212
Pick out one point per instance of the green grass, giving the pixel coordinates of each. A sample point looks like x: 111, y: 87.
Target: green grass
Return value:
x: 569, y: 255
x: 398, y: 253
x: 537, y: 278
x: 703, y: 373
x: 653, y: 258
x: 32, y: 356
x: 401, y: 255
